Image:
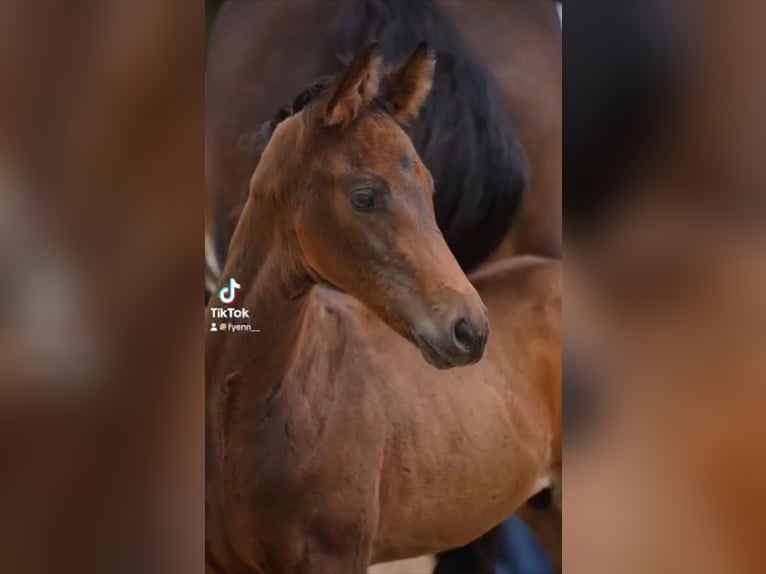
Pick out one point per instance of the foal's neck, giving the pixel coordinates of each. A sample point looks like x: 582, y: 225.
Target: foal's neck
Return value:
x: 276, y: 288
x: 245, y: 370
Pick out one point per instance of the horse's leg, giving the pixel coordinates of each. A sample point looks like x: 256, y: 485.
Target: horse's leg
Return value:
x: 478, y: 557
x: 544, y: 519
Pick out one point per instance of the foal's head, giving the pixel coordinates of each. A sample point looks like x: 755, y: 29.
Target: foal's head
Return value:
x: 345, y: 182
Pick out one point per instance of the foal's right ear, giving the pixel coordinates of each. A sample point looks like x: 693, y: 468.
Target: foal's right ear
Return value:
x: 356, y: 89
x: 409, y: 84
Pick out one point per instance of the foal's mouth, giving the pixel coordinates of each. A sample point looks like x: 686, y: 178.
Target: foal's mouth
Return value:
x: 432, y: 354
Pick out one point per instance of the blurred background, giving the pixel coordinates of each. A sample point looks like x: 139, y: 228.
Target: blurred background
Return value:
x: 102, y: 195
x: 664, y: 286
x: 101, y: 228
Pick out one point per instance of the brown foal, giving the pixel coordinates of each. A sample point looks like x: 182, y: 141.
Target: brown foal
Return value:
x: 331, y: 443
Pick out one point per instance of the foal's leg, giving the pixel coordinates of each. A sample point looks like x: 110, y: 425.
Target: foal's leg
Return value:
x: 349, y: 562
x: 332, y: 565
x: 333, y: 548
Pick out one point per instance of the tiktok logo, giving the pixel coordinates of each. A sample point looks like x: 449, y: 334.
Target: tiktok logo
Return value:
x: 227, y: 294
x: 237, y: 320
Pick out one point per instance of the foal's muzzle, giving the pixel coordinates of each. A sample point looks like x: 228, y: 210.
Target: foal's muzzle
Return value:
x: 462, y: 342
x: 468, y: 338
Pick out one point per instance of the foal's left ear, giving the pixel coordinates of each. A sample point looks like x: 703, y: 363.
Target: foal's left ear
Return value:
x: 409, y: 84
x: 356, y: 89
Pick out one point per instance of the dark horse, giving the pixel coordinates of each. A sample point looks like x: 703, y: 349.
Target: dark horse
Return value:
x: 490, y: 133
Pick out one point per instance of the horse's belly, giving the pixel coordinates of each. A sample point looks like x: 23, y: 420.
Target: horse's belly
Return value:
x: 437, y: 523
x: 451, y: 480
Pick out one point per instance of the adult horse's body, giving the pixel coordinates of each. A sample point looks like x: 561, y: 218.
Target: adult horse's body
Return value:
x: 491, y: 134
x: 322, y: 451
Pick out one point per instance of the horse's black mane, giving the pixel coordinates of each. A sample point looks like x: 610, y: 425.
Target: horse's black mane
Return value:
x: 462, y: 134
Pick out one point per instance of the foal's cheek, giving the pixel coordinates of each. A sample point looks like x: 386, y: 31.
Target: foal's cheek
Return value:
x: 379, y: 239
x: 323, y: 240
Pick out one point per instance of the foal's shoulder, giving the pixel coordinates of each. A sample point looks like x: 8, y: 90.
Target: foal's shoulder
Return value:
x: 340, y: 314
x: 328, y: 305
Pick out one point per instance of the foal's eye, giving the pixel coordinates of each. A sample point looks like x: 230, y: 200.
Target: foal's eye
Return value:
x: 363, y: 199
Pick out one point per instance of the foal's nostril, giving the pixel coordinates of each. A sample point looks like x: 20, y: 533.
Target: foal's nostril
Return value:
x: 464, y: 334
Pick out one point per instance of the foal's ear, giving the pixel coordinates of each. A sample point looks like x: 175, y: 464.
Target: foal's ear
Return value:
x: 356, y: 89
x: 409, y: 84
